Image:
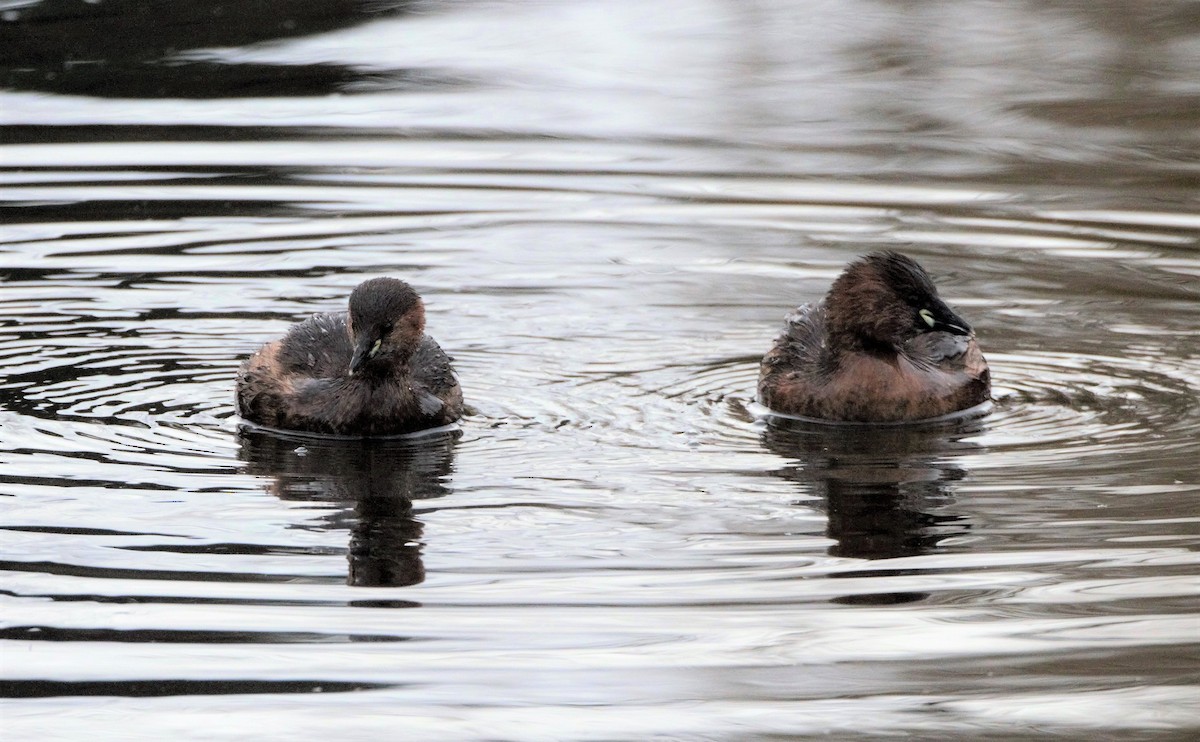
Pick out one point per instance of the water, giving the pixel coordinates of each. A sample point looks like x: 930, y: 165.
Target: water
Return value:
x: 609, y: 208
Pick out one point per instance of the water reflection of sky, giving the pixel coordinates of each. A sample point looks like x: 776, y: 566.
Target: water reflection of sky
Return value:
x: 952, y: 90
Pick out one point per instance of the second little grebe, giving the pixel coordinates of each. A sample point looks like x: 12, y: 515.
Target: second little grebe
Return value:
x: 880, y: 347
x: 372, y: 371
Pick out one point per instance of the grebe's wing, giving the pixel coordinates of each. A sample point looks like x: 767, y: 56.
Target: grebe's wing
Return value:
x: 432, y: 370
x: 800, y: 343
x: 318, y: 347
x: 938, y: 349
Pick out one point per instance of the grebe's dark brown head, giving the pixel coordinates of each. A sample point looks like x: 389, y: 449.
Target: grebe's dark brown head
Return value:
x: 387, y: 322
x: 883, y: 300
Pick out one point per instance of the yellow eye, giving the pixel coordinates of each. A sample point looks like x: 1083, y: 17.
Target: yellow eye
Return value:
x: 927, y: 316
x: 375, y: 349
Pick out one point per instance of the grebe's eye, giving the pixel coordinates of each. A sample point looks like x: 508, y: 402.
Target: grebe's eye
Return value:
x: 927, y: 316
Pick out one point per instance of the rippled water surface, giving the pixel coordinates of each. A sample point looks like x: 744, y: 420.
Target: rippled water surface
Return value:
x: 608, y: 208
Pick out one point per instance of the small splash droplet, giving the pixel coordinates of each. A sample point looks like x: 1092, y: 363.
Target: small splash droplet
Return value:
x: 301, y: 451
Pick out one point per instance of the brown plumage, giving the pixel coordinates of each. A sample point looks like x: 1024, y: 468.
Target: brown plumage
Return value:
x: 880, y: 347
x: 367, y: 372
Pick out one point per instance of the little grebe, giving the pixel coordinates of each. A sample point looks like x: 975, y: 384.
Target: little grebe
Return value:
x: 372, y: 371
x: 880, y: 347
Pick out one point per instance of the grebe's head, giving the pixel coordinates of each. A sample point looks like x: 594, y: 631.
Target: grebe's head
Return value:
x: 387, y: 321
x: 885, y: 299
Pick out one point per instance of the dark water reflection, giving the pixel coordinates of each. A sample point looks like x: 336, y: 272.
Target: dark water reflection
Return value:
x: 608, y: 208
x: 138, y: 49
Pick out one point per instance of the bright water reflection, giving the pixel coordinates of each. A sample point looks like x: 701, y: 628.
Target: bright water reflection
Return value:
x: 608, y: 208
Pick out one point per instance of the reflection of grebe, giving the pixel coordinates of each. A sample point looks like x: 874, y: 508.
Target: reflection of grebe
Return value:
x: 372, y: 371
x: 380, y: 477
x: 880, y: 347
x: 885, y: 489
